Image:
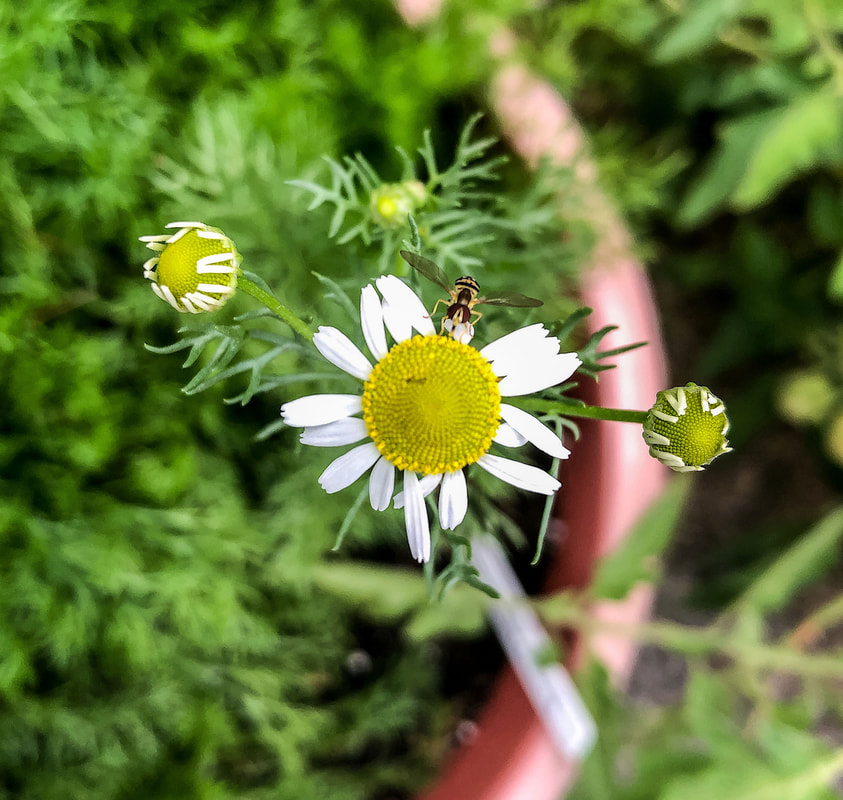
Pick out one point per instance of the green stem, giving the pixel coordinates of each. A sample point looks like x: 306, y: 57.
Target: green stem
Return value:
x: 696, y: 641
x: 280, y: 311
x: 570, y: 409
x: 816, y: 624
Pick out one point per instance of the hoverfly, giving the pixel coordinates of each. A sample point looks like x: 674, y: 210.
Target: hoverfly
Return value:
x: 463, y: 296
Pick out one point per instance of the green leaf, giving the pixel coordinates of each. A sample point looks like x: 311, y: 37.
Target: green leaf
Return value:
x: 790, y: 748
x: 461, y: 612
x: 636, y: 560
x: 696, y: 29
x: 814, y: 553
x: 731, y: 776
x: 335, y: 292
x: 724, y: 170
x: 812, y: 783
x: 776, y: 82
x: 804, y: 134
x: 824, y: 213
x: 708, y: 711
x: 384, y: 594
x: 349, y: 518
x: 835, y: 280
x: 390, y: 594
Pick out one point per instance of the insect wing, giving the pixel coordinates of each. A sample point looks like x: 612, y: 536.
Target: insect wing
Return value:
x: 427, y: 268
x: 514, y: 299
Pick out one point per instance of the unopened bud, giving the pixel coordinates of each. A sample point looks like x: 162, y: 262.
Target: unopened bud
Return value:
x: 392, y: 202
x: 195, y: 268
x: 686, y: 428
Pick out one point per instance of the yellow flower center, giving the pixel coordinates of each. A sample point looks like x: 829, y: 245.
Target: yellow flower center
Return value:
x: 179, y: 270
x: 432, y: 405
x: 387, y: 207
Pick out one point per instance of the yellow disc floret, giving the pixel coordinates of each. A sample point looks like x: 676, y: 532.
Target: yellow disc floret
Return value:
x: 432, y: 405
x: 686, y: 428
x: 196, y: 269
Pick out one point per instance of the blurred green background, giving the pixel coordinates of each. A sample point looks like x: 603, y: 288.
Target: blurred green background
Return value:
x: 173, y: 623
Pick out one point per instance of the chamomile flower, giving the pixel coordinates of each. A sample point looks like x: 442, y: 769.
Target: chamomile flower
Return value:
x: 195, y: 268
x: 430, y: 406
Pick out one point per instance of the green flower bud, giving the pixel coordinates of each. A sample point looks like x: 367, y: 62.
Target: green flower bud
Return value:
x: 392, y: 202
x: 195, y: 269
x: 686, y: 428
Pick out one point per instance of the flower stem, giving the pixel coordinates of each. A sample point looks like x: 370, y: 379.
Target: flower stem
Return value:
x: 280, y: 311
x: 573, y: 611
x: 569, y: 408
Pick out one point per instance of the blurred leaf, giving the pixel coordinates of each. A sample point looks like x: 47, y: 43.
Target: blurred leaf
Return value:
x: 381, y: 593
x: 597, y: 778
x: 833, y: 437
x: 789, y: 747
x: 724, y: 169
x: 636, y: 560
x: 812, y: 783
x: 697, y: 28
x: 811, y: 556
x: 804, y: 134
x: 824, y: 213
x: 461, y: 612
x: 835, y: 280
x: 390, y: 594
x: 774, y: 81
x: 708, y: 710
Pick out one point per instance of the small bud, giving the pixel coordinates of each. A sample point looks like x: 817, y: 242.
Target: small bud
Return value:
x: 195, y: 269
x: 686, y: 428
x: 392, y: 202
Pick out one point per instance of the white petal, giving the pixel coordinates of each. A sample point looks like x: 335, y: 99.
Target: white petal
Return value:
x: 529, y: 360
x: 428, y: 483
x: 406, y: 302
x: 537, y: 374
x: 453, y: 500
x: 185, y: 225
x: 346, y: 469
x: 371, y: 320
x: 342, y: 352
x: 509, y: 437
x: 344, y: 431
x: 396, y: 322
x: 381, y: 484
x: 534, y: 431
x: 513, y: 344
x: 521, y: 475
x: 319, y: 409
x: 415, y: 518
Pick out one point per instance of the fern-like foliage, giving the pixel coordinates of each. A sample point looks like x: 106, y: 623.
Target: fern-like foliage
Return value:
x: 457, y: 213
